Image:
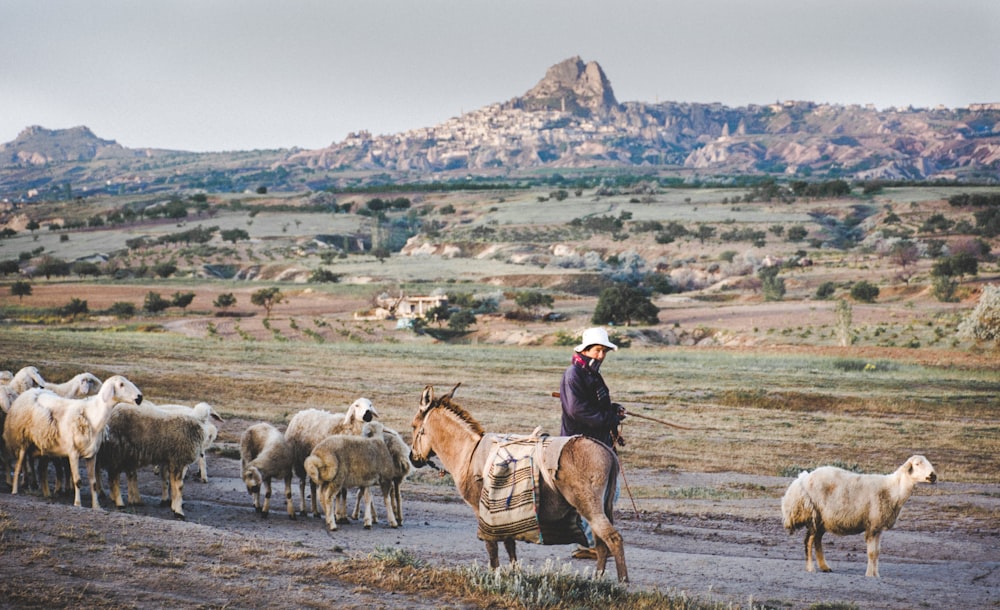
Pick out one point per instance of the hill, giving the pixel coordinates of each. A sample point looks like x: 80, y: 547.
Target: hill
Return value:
x: 570, y: 122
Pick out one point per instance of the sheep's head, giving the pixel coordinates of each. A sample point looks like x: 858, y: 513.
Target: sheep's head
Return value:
x: 253, y: 480
x: 920, y: 470
x: 372, y: 429
x: 361, y: 409
x: 26, y: 379
x: 89, y: 384
x: 118, y: 389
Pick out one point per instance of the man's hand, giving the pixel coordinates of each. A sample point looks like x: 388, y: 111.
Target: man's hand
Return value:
x: 620, y: 410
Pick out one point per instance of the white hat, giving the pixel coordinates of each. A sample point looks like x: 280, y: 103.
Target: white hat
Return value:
x: 595, y: 336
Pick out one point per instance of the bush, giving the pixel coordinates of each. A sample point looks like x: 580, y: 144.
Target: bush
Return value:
x: 74, y: 308
x: 164, y: 269
x: 122, y: 309
x: 181, y: 299
x: 983, y: 322
x: 826, y: 290
x: 864, y: 291
x: 772, y: 286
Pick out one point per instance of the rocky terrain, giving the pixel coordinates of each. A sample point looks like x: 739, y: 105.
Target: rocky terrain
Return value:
x: 570, y: 121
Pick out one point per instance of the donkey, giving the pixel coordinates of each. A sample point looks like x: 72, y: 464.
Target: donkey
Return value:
x: 583, y: 486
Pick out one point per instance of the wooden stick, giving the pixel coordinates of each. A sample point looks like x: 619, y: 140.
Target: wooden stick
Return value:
x: 631, y: 414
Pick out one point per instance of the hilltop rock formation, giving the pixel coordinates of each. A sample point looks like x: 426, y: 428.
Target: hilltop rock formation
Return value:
x: 571, y: 86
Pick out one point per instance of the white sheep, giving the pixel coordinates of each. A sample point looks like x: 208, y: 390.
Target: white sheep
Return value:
x: 44, y: 423
x: 205, y: 413
x: 146, y: 435
x: 342, y: 461
x: 841, y: 502
x: 80, y: 386
x: 400, y: 452
x: 307, y: 428
x: 26, y: 379
x: 264, y: 454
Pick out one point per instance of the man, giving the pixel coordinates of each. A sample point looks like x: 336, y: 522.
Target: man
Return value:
x: 586, y: 404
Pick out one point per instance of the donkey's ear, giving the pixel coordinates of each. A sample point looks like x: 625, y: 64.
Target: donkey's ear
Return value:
x: 427, y: 398
x: 452, y: 392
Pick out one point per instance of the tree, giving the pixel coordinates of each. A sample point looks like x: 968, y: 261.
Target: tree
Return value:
x: 461, y: 320
x: 904, y: 252
x: 797, y: 233
x: 181, y: 299
x: 826, y: 290
x: 10, y: 265
x: 224, y: 300
x: 772, y: 286
x: 267, y: 298
x: 74, y: 308
x: 154, y: 303
x: 533, y: 301
x: 83, y: 268
x: 20, y: 289
x: 49, y: 266
x: 621, y: 304
x: 983, y: 322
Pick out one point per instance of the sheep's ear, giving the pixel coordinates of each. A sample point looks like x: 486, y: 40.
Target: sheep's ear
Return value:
x: 108, y: 390
x: 427, y: 398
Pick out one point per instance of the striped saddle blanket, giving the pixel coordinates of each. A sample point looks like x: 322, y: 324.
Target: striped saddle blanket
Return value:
x: 508, y: 505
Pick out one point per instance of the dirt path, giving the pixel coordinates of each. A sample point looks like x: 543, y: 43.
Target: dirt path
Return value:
x: 942, y: 554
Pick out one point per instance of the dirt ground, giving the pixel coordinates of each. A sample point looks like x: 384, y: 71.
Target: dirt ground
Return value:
x: 943, y: 552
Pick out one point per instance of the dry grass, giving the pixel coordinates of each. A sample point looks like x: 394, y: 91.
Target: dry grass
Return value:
x: 752, y: 412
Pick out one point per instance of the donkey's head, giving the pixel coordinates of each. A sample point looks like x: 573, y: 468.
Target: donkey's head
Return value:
x: 420, y: 448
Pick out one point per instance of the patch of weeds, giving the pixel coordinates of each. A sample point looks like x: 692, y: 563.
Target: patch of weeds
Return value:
x: 396, y: 557
x: 793, y: 471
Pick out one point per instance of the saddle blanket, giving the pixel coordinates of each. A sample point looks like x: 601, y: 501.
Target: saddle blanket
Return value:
x: 508, y: 505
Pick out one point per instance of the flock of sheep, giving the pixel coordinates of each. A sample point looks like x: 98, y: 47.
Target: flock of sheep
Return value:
x: 112, y: 428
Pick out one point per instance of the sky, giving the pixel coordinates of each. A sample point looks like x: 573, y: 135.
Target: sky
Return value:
x: 223, y: 75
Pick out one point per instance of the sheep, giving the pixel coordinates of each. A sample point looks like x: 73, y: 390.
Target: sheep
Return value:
x: 841, y: 502
x: 205, y: 413
x: 343, y: 461
x: 45, y: 423
x: 80, y: 386
x: 146, y: 435
x: 265, y: 454
x: 400, y: 452
x: 307, y: 428
x: 26, y: 379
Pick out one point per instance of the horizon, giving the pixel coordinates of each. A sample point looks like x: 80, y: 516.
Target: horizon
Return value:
x: 234, y: 76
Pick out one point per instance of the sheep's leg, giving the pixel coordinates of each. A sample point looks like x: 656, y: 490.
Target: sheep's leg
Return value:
x: 202, y: 467
x: 267, y: 497
x: 74, y: 467
x: 288, y: 497
x: 390, y: 514
x: 327, y: 494
x: 42, y: 475
x: 397, y: 500
x: 357, y: 504
x: 134, y: 497
x: 17, y: 469
x: 176, y: 490
x: 115, y: 488
x: 809, y: 549
x: 340, y: 508
x: 312, y: 489
x: 95, y: 481
x: 872, y: 540
x: 820, y: 558
x: 368, y: 507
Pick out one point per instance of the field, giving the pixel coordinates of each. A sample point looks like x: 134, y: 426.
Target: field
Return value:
x: 766, y: 387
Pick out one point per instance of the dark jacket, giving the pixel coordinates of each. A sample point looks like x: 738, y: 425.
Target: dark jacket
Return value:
x: 586, y: 402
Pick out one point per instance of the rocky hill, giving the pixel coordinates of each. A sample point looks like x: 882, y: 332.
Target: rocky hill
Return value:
x: 570, y: 120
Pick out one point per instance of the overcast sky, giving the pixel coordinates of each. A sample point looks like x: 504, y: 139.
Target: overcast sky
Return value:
x: 213, y: 75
